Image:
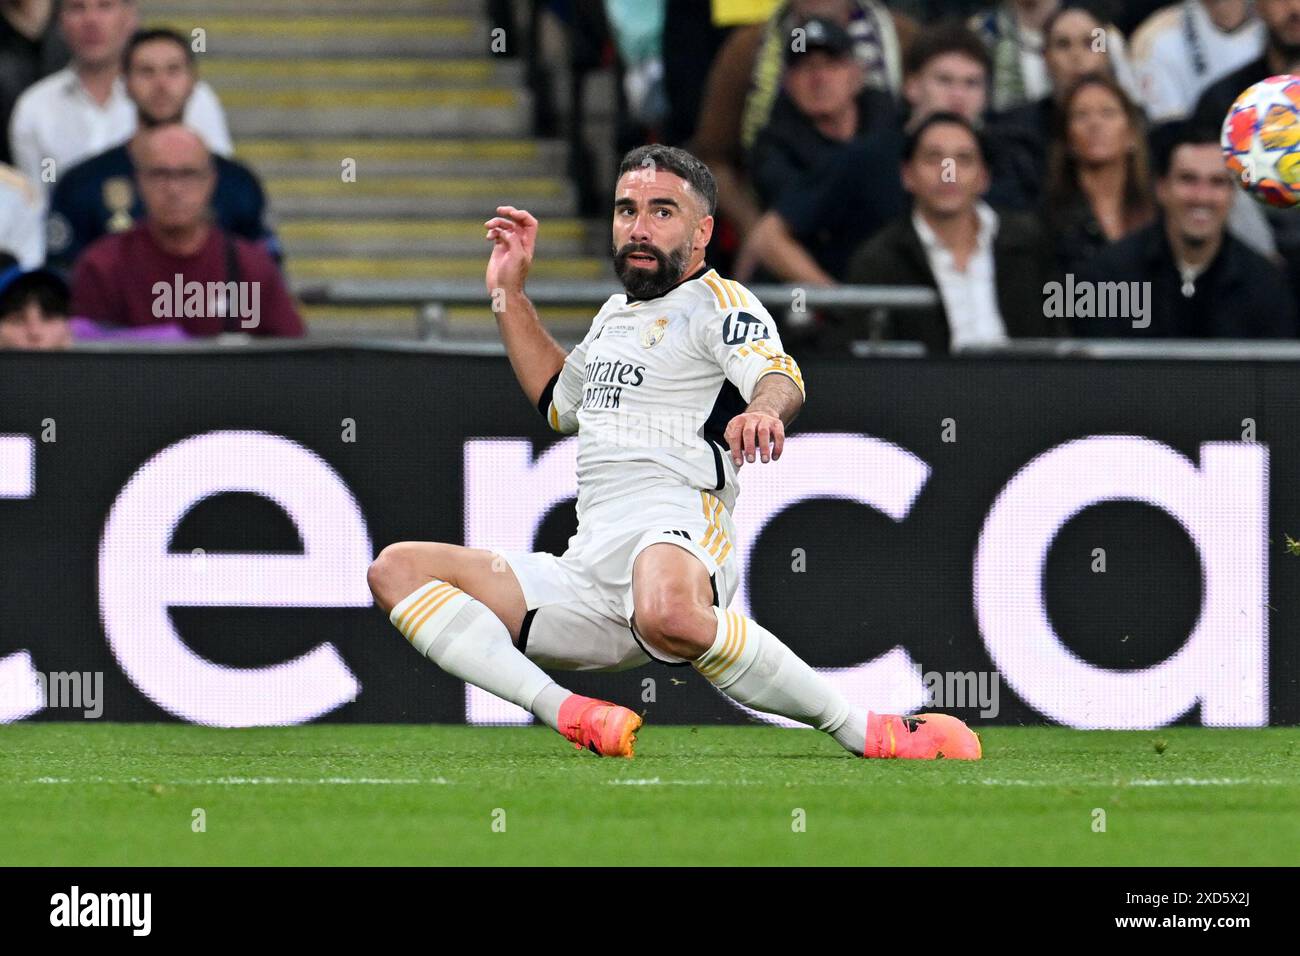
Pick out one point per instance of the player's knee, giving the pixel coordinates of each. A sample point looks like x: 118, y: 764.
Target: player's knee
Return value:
x: 676, y: 625
x: 392, y: 575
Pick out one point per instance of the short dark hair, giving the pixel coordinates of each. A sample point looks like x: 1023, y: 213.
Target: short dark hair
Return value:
x: 950, y: 36
x: 141, y: 37
x: 913, y: 141
x: 48, y: 292
x: 1167, y: 137
x: 1091, y: 7
x: 679, y: 162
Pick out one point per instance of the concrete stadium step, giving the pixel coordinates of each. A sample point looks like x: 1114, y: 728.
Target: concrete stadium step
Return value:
x: 415, y: 156
x: 435, y: 121
x: 363, y: 98
x: 234, y: 73
x: 293, y: 35
x: 377, y: 113
x: 416, y: 196
x: 459, y: 237
x: 331, y: 268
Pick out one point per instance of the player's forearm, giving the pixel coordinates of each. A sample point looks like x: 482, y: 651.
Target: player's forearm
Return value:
x: 777, y: 394
x: 534, y: 355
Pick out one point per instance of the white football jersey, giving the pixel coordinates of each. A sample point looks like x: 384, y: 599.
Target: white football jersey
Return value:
x: 652, y: 387
x: 1178, y: 52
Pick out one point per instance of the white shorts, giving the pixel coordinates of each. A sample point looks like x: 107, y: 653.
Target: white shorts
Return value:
x: 580, y: 604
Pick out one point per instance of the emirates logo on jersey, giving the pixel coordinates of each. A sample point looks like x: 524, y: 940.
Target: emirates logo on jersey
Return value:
x: 653, y: 333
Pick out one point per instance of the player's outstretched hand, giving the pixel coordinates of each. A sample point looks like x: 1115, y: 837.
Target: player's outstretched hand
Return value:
x: 513, y: 233
x: 751, y: 433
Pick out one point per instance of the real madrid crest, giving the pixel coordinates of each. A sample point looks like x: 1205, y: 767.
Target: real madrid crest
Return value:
x: 654, y: 332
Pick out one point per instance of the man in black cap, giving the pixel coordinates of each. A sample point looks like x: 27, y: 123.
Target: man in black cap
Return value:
x: 824, y: 104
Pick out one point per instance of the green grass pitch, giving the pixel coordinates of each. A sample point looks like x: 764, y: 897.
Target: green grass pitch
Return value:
x: 327, y: 794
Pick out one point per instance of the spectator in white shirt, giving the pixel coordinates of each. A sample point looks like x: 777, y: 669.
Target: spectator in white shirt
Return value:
x: 22, y: 218
x: 1182, y: 49
x: 989, y: 268
x: 83, y: 109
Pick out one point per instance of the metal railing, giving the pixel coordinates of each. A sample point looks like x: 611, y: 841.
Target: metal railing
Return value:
x: 430, y: 301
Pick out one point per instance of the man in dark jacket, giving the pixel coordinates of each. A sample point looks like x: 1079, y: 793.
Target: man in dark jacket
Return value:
x: 1200, y: 282
x: 813, y: 227
x: 31, y: 48
x: 824, y: 104
x: 989, y: 268
x: 1281, y: 55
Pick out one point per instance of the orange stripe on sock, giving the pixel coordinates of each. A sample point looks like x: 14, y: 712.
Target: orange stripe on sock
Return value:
x: 419, y: 608
x: 415, y: 627
x: 709, y: 669
x: 409, y: 614
x: 740, y: 643
x: 726, y: 646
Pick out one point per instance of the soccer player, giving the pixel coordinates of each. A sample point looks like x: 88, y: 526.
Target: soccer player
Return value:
x: 684, y: 362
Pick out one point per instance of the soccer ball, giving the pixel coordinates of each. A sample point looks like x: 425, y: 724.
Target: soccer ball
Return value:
x: 1261, y: 140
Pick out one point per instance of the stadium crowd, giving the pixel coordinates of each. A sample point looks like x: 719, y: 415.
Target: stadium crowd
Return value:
x: 989, y: 151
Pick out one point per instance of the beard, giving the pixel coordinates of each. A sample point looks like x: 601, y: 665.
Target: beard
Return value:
x: 150, y: 121
x: 642, y: 283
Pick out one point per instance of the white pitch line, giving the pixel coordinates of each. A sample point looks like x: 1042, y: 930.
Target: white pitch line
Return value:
x: 1207, y: 782
x: 652, y: 782
x: 983, y: 782
x: 1141, y: 782
x: 656, y: 782
x: 247, y: 781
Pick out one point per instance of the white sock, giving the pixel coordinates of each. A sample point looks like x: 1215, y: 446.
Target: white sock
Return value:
x: 464, y: 638
x: 546, y: 707
x: 749, y: 663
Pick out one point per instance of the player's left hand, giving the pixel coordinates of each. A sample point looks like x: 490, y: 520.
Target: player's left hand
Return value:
x: 755, y: 432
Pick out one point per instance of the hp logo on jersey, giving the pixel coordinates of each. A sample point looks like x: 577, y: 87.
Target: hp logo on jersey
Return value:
x: 743, y: 327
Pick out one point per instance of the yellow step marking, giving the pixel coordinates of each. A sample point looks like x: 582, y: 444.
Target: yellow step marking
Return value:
x: 360, y: 98
x: 494, y: 190
x: 432, y: 267
x: 316, y: 26
x: 418, y: 150
x: 303, y: 230
x: 344, y: 69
